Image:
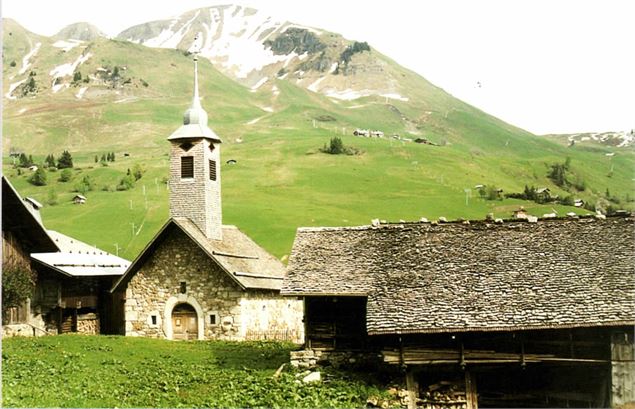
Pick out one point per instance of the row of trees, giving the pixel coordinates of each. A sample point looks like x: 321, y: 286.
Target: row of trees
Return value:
x: 65, y: 160
x: 105, y: 157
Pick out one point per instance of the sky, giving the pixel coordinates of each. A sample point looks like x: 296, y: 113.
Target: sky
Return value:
x: 547, y: 66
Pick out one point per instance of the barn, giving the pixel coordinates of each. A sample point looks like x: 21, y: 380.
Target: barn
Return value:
x: 512, y: 314
x: 72, y: 279
x: 199, y: 278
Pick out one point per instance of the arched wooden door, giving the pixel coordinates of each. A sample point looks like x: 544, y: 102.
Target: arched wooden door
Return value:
x: 184, y: 322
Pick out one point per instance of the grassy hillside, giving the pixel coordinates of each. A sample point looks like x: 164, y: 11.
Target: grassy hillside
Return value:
x: 104, y: 371
x: 281, y: 180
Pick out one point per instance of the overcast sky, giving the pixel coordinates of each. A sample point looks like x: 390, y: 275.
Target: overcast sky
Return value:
x: 548, y: 66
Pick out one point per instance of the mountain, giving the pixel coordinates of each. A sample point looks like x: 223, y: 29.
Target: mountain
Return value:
x: 114, y: 95
x: 254, y: 48
x: 621, y: 139
x: 79, y: 31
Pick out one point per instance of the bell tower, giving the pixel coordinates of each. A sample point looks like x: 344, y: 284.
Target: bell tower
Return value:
x: 195, y: 170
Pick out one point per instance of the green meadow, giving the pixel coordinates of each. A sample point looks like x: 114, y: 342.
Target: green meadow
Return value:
x: 80, y: 371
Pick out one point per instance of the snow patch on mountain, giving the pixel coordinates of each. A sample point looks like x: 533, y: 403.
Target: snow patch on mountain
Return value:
x: 68, y: 69
x: 26, y: 61
x: 259, y: 84
x: 314, y: 86
x: 66, y: 45
x: 81, y: 92
x: 395, y: 96
x: 12, y: 88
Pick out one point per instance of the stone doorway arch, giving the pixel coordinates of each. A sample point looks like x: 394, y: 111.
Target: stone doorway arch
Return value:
x: 189, y: 312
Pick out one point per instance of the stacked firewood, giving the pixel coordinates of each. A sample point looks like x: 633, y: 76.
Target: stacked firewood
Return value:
x: 443, y: 395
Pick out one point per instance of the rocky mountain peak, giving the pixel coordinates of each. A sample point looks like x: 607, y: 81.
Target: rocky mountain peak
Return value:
x: 81, y: 31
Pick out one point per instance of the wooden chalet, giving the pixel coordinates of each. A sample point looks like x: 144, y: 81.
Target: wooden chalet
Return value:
x: 72, y: 279
x: 512, y: 314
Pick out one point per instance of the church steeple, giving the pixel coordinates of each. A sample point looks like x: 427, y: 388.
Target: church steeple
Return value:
x: 195, y: 169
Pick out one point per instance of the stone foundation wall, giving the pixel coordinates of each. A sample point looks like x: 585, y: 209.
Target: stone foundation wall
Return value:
x: 310, y: 358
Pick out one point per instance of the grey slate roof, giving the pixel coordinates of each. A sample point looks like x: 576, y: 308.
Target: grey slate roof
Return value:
x: 423, y: 278
x: 248, y: 264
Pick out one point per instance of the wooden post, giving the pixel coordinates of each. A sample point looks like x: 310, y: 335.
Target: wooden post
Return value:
x: 471, y: 397
x: 411, y: 386
x: 622, y: 370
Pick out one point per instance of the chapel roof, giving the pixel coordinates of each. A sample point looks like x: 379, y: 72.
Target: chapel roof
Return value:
x: 244, y: 261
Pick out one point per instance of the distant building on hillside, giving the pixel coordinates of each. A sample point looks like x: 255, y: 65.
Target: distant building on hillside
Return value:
x: 198, y: 278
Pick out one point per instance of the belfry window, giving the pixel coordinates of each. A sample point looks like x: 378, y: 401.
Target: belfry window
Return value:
x: 187, y: 167
x: 212, y: 170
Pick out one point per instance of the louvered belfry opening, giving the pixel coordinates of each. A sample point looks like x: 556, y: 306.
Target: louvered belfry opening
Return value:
x: 212, y: 170
x: 187, y: 167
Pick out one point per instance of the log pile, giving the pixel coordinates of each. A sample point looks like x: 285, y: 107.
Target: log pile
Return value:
x: 443, y: 395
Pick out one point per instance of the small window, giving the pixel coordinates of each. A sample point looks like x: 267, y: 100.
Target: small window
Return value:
x: 183, y: 287
x: 212, y: 170
x: 186, y: 146
x: 212, y: 319
x: 187, y: 167
x: 153, y: 319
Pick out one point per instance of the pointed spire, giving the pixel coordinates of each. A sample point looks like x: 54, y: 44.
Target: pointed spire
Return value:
x: 196, y: 101
x: 195, y: 114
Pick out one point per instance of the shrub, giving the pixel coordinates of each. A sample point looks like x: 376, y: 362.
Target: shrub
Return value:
x: 51, y: 199
x: 126, y: 183
x: 18, y: 282
x: 66, y: 175
x: 38, y: 178
x: 84, y: 185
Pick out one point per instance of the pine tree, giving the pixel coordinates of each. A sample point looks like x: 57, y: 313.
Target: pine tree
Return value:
x: 112, y: 156
x: 96, y: 158
x: 65, y: 160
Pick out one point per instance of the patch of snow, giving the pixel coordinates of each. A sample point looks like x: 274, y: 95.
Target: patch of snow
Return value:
x: 303, y: 56
x: 610, y: 154
x: 228, y: 41
x: 395, y: 96
x: 68, y: 69
x: 314, y: 87
x: 348, y: 94
x: 311, y: 29
x: 333, y: 67
x: 275, y: 90
x: 286, y: 74
x: 253, y: 121
x: 267, y: 109
x: 26, y: 63
x: 12, y: 88
x: 67, y: 45
x: 259, y: 84
x: 21, y: 111
x: 81, y: 92
x: 59, y: 87
x: 357, y: 106
x: 585, y: 138
x: 128, y: 99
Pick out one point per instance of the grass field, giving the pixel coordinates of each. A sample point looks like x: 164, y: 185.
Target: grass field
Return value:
x: 112, y: 371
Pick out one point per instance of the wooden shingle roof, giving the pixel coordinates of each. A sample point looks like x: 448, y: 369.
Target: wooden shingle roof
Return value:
x: 482, y: 276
